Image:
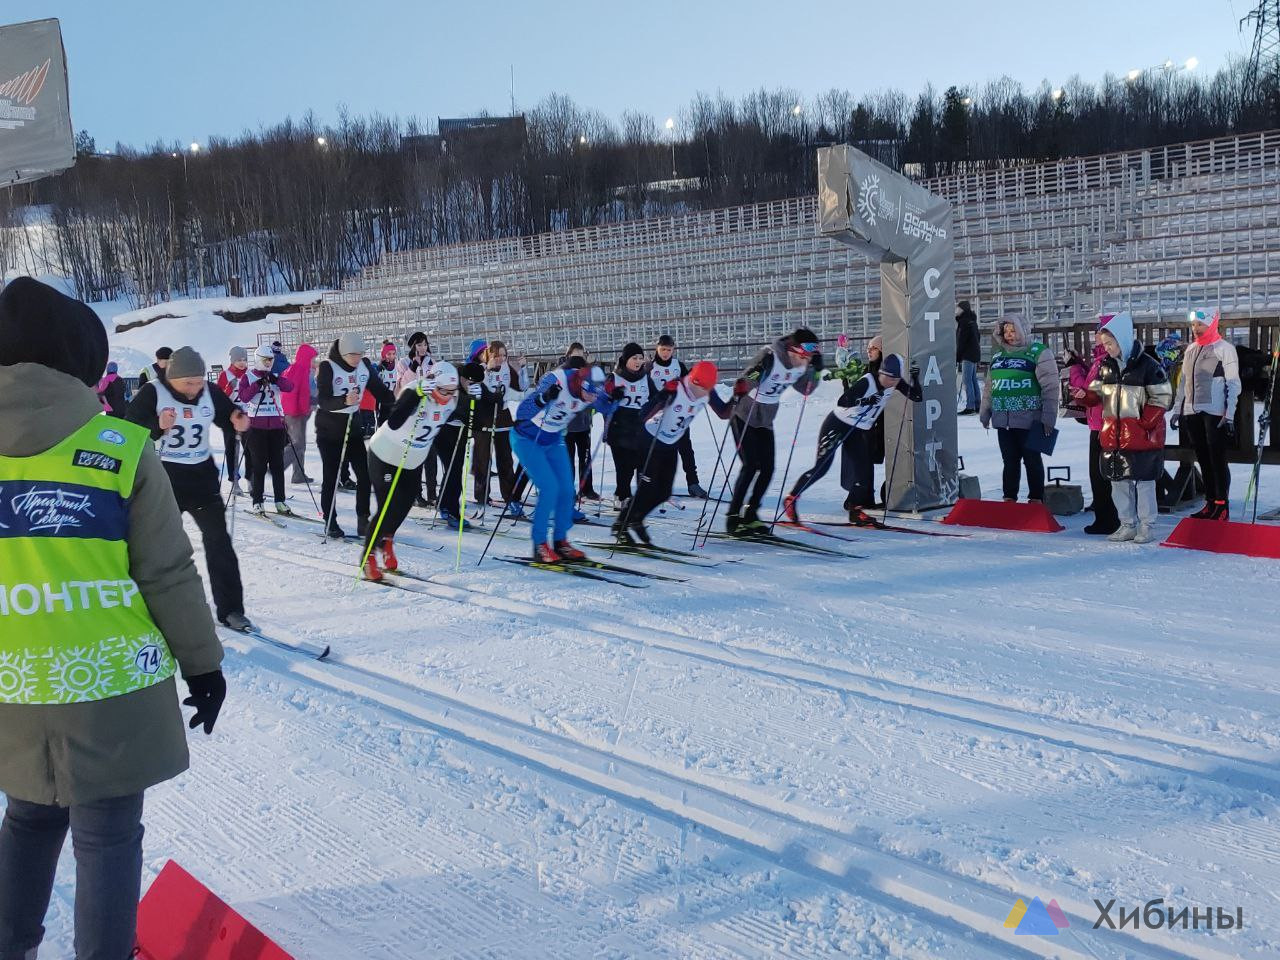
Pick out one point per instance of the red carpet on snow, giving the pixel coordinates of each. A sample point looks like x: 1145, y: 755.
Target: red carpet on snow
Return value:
x: 1000, y: 515
x: 1217, y: 536
x: 180, y: 919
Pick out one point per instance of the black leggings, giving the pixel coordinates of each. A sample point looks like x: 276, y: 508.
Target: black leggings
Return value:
x: 655, y: 483
x: 219, y: 555
x: 267, y: 453
x: 833, y: 434
x: 394, y: 511
x: 332, y: 454
x: 756, y: 451
x: 1210, y: 443
x: 493, y: 444
x: 626, y: 464
x: 1013, y: 448
x: 1104, y: 507
x: 579, y: 445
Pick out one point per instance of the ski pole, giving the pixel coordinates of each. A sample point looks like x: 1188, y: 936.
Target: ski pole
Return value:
x: 391, y: 491
x: 777, y: 511
x: 737, y: 450
x: 333, y: 494
x: 893, y: 467
x: 715, y: 469
x: 466, y: 468
x: 502, y: 516
x: 453, y: 458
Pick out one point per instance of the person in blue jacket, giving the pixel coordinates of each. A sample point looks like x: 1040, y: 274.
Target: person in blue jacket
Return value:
x: 538, y: 441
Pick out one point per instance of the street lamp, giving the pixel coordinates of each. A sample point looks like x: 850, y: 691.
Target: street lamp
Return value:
x: 1192, y: 63
x: 671, y: 132
x: 967, y: 101
x: 195, y: 147
x: 320, y: 141
x: 1133, y: 75
x: 1057, y: 94
x: 797, y: 110
x: 582, y: 139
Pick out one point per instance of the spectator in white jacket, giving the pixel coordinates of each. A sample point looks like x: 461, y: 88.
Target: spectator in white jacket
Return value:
x: 1205, y: 406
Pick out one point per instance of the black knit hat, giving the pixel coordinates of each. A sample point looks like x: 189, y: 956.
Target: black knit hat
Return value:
x: 40, y: 325
x: 628, y: 351
x: 164, y: 353
x: 803, y: 335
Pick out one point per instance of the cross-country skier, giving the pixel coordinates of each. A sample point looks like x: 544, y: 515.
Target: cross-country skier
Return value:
x: 628, y: 441
x: 493, y: 422
x: 341, y: 382
x: 89, y: 717
x: 663, y: 368
x: 259, y: 393
x: 538, y: 441
x: 791, y: 361
x: 155, y: 371
x: 389, y: 374
x: 401, y: 444
x: 666, y: 420
x: 181, y: 412
x: 450, y: 446
x: 849, y: 428
x: 233, y: 451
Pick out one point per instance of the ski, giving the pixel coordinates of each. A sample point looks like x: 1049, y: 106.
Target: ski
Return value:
x: 269, y: 519
x: 890, y: 527
x: 571, y: 570
x: 654, y: 553
x: 804, y: 527
x: 315, y: 652
x: 774, y: 540
x: 629, y: 571
x: 298, y: 516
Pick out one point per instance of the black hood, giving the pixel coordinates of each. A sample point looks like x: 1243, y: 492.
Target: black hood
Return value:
x: 40, y: 325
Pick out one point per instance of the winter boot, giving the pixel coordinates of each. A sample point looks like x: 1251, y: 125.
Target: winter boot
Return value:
x: 422, y: 504
x: 1220, y: 511
x: 789, y: 512
x: 347, y: 485
x: 544, y: 554
x: 751, y: 522
x: 389, y: 561
x: 1124, y: 534
x: 238, y: 622
x: 334, y: 531
x: 1204, y: 512
x: 1144, y: 534
x: 362, y: 526
x: 590, y: 494
x: 1101, y: 529
x: 697, y: 492
x: 371, y: 571
x: 568, y: 552
x: 637, y: 529
x: 283, y: 510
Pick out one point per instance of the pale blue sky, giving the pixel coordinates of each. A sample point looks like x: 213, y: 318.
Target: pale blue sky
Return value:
x: 178, y: 70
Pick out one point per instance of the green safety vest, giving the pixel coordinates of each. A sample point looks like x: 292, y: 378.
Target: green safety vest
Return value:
x: 73, y: 626
x: 1014, y: 386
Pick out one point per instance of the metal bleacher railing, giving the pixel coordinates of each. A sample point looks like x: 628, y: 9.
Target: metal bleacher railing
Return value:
x: 1152, y: 231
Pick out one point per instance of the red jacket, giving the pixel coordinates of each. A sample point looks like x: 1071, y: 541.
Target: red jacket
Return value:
x: 229, y: 379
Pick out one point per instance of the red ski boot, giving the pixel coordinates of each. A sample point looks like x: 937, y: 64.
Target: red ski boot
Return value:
x: 860, y: 518
x: 544, y: 554
x: 1220, y: 511
x: 371, y: 571
x: 1204, y: 512
x: 568, y: 552
x: 389, y: 561
x: 789, y: 512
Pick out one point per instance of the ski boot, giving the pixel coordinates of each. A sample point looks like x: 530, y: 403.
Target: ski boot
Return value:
x: 362, y: 526
x: 567, y: 552
x: 1203, y: 512
x: 789, y: 512
x: 389, y: 561
x: 544, y: 554
x: 333, y: 531
x: 637, y: 530
x: 452, y: 521
x: 346, y: 485
x: 590, y: 494
x: 860, y: 518
x: 1220, y: 511
x: 752, y: 525
x: 732, y: 524
x: 697, y: 491
x: 282, y: 509
x: 238, y: 622
x: 371, y: 571
x: 515, y: 511
x: 424, y: 503
x: 258, y: 510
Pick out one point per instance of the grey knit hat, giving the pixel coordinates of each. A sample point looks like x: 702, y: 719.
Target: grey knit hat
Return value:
x: 239, y: 355
x: 351, y: 343
x: 185, y: 362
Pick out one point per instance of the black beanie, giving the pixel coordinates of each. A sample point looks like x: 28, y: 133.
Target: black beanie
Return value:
x: 164, y: 353
x: 472, y: 371
x: 40, y: 325
x: 803, y: 335
x: 575, y: 363
x: 629, y: 351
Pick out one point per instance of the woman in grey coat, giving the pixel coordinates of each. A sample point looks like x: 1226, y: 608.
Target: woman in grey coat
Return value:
x: 89, y: 716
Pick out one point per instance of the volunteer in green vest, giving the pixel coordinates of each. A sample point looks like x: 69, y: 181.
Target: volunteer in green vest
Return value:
x: 1021, y: 395
x: 100, y: 606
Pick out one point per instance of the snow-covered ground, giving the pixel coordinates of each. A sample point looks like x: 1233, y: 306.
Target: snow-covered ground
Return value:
x: 785, y: 755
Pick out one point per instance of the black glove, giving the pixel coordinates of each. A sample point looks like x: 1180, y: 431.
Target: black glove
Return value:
x: 617, y: 393
x: 550, y: 393
x: 914, y: 370
x: 273, y: 378
x: 1229, y: 428
x: 208, y: 690
x: 816, y: 361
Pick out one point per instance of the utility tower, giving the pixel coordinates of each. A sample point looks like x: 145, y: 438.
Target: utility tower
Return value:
x: 1264, y: 61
